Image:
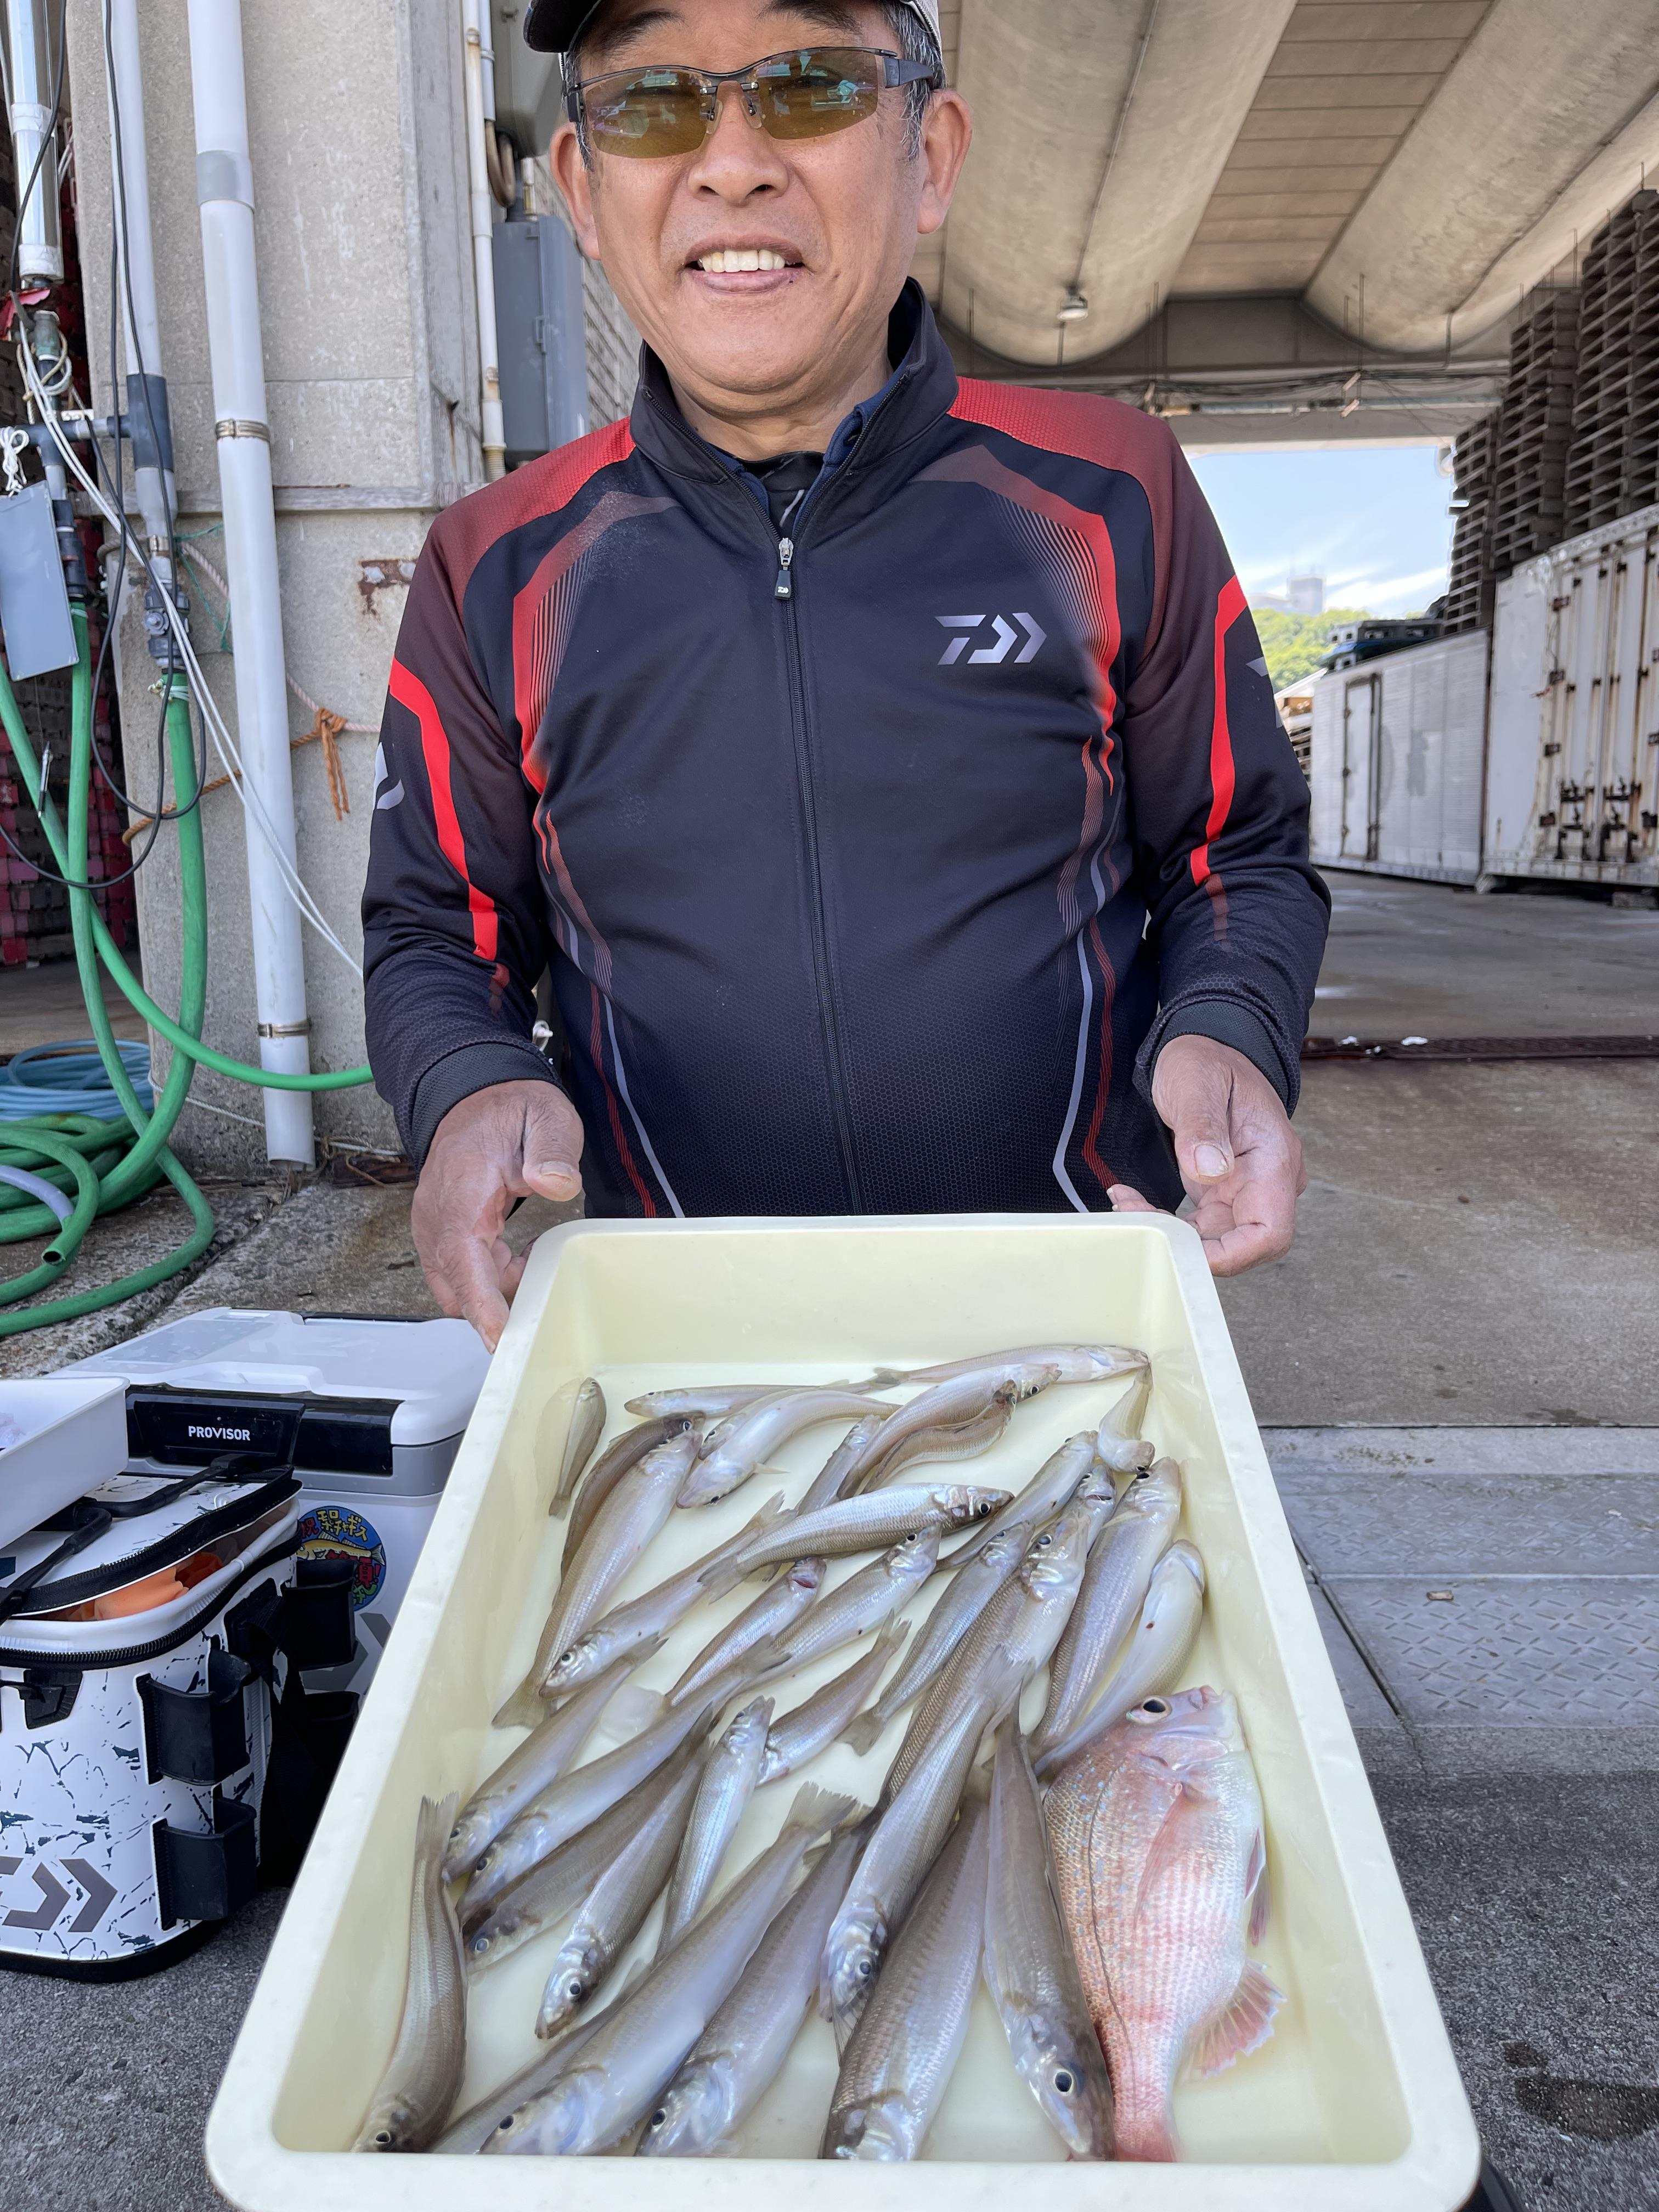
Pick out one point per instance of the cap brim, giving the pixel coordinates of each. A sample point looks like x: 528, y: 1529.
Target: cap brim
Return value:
x: 552, y: 26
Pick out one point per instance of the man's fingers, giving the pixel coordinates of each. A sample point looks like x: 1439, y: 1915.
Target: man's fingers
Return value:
x: 552, y: 1147
x: 469, y: 1266
x: 1127, y: 1200
x: 1202, y: 1128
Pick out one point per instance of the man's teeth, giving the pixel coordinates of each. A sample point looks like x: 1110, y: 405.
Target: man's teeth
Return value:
x: 737, y: 258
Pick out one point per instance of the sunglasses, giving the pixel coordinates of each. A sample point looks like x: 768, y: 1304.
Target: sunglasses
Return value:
x: 648, y: 114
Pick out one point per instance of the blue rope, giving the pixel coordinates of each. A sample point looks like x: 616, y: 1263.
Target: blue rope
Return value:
x: 70, y: 1079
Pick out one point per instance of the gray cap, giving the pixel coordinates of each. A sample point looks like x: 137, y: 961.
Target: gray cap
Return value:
x: 553, y: 27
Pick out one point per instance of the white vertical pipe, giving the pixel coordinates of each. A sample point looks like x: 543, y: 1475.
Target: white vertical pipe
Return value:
x: 476, y: 47
x: 31, y: 65
x: 224, y: 188
x: 141, y: 324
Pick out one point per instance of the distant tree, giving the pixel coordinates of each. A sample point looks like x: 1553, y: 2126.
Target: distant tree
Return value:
x: 1294, y: 644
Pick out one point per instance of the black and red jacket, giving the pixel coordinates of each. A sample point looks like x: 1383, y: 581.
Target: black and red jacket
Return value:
x: 866, y: 875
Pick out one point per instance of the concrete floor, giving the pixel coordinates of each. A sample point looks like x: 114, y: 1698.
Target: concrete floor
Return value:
x: 1477, y: 1253
x: 43, y: 1005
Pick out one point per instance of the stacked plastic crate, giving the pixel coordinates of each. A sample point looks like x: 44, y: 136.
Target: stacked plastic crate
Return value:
x: 1469, y: 589
x: 1613, y: 468
x: 1528, y: 493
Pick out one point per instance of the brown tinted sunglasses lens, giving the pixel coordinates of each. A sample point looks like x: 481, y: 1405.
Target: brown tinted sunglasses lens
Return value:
x: 648, y: 114
x: 808, y: 95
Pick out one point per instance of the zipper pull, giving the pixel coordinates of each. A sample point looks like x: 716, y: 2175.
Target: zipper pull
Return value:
x: 784, y: 589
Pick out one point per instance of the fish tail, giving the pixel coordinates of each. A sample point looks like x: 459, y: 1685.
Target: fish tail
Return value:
x: 432, y: 1828
x: 815, y: 1809
x: 523, y: 1708
x: 862, y: 1730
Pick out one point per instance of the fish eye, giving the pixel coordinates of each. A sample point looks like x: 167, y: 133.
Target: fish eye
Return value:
x: 1156, y: 1707
x: 865, y: 1968
x: 383, y: 2137
x: 1064, y: 2082
x: 985, y: 1509
x: 480, y: 1945
x: 575, y: 1991
x: 659, y: 2119
x: 506, y: 2126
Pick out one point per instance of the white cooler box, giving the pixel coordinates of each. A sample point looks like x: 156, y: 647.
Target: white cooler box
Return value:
x: 369, y: 1413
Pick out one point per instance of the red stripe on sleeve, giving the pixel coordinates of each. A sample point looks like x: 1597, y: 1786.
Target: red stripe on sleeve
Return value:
x: 1228, y: 607
x: 409, y: 691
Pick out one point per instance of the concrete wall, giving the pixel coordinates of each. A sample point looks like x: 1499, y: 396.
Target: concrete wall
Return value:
x: 359, y: 159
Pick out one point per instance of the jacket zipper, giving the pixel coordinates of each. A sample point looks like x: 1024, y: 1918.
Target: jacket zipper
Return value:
x: 783, y: 591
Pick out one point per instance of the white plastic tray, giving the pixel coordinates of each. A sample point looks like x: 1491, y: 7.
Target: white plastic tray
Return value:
x: 1355, y: 2106
x: 75, y: 1436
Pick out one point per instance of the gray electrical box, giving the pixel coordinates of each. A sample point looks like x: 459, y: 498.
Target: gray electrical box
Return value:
x: 34, y: 608
x: 540, y: 336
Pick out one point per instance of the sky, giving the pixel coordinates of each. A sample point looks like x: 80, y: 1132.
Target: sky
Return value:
x: 1373, y: 521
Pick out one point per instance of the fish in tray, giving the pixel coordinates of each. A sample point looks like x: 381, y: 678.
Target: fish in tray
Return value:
x: 415, y: 2094
x: 586, y: 1427
x: 831, y: 1713
x: 623, y: 1452
x: 864, y: 1599
x: 630, y: 1517
x: 1151, y: 1659
x: 903, y: 1844
x: 535, y: 1765
x: 945, y: 1440
x: 965, y: 1598
x: 738, y: 2055
x: 614, y: 1910
x: 1028, y: 1968
x: 613, y: 2082
x: 550, y: 1891
x: 1118, y: 1440
x: 1054, y: 1485
x: 947, y: 1406
x: 732, y: 1452
x: 1159, y: 1859
x: 770, y: 1619
x: 470, y: 2130
x: 1115, y: 1585
x: 644, y: 1621
x: 849, y: 1456
x: 1072, y: 1363
x: 1017, y: 1630
x: 729, y: 1780
x: 871, y: 1523
x: 898, y: 2064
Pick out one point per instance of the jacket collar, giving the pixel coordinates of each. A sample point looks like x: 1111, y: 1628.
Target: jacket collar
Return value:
x: 919, y: 394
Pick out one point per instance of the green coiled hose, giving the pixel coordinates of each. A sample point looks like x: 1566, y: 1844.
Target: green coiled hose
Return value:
x: 100, y: 1164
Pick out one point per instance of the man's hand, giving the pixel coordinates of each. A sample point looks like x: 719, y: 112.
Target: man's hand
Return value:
x: 1238, y: 1155
x: 509, y: 1141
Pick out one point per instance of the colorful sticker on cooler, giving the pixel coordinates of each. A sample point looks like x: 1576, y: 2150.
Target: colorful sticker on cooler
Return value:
x: 334, y: 1532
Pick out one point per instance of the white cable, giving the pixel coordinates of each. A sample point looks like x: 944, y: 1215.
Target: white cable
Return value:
x: 223, y: 744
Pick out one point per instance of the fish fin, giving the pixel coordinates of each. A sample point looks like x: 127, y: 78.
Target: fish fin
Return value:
x: 523, y: 1708
x: 818, y: 1809
x: 862, y: 1730
x: 633, y: 1709
x: 433, y: 1824
x: 1256, y: 1889
x: 1242, y: 2024
x: 721, y: 1579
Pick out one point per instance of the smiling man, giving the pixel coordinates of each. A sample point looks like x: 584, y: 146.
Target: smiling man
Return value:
x: 883, y: 763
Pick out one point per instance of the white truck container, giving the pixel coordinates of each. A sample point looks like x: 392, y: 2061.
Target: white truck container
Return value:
x: 1572, y: 784
x: 1396, y: 762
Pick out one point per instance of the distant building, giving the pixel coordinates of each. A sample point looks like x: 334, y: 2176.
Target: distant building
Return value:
x: 1296, y: 704
x: 1302, y: 595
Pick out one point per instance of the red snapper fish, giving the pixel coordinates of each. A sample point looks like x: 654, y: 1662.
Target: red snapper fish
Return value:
x: 1159, y: 1858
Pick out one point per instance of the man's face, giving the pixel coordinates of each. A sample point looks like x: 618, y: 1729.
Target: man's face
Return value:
x: 841, y: 213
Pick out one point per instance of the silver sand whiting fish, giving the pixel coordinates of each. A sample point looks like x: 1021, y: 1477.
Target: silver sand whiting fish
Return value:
x: 1115, y: 1585
x: 612, y: 2084
x: 630, y: 1517
x: 1028, y: 1968
x: 965, y: 1597
x: 1053, y: 1487
x: 729, y: 1778
x: 732, y: 1454
x: 1072, y: 1363
x: 829, y: 1713
x: 771, y: 1616
x: 626, y: 1450
x: 740, y: 2052
x: 423, y: 2073
x: 871, y: 1524
x: 649, y: 1619
x: 898, y: 2064
x: 614, y: 1910
x: 1154, y: 1656
x: 864, y: 1599
x: 827, y: 1486
x: 946, y: 1406
x: 535, y: 1765
x: 470, y: 2130
x: 586, y: 1427
x: 947, y: 1440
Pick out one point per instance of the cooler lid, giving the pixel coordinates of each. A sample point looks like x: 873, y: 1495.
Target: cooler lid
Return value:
x: 434, y: 1370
